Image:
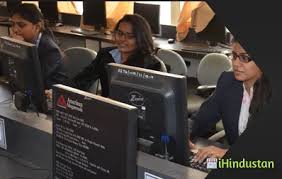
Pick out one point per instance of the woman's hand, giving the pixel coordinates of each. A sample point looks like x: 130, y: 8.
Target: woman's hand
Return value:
x: 48, y: 94
x: 210, y: 151
x: 15, y: 36
x: 192, y: 146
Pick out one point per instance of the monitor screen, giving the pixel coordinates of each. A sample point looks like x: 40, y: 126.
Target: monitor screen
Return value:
x: 49, y: 10
x: 24, y: 71
x: 151, y: 12
x: 161, y: 100
x: 94, y: 13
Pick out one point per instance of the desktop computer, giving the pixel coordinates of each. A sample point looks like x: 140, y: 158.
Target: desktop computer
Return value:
x: 23, y: 74
x: 89, y: 133
x: 161, y: 100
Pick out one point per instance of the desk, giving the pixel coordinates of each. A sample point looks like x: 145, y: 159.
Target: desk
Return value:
x: 31, y: 137
x: 189, y: 51
x: 180, y: 47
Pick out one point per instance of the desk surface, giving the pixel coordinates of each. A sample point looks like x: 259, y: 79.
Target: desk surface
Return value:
x: 44, y: 123
x: 8, y: 110
x: 182, y: 47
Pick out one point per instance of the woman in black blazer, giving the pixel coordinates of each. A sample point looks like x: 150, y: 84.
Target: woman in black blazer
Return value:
x: 134, y: 47
x: 238, y: 97
x: 28, y: 25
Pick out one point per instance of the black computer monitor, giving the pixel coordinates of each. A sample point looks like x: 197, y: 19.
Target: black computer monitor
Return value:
x: 94, y: 13
x: 213, y: 33
x: 11, y: 4
x: 94, y: 137
x: 24, y: 73
x: 151, y: 12
x: 161, y: 100
x: 49, y: 10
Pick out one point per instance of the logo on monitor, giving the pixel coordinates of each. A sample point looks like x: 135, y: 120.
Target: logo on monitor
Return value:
x: 61, y: 102
x: 136, y: 98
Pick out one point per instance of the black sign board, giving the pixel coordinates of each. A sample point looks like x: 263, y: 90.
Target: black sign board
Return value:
x: 93, y: 137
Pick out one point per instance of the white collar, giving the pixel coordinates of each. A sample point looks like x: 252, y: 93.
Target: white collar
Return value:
x: 38, y: 39
x: 251, y: 91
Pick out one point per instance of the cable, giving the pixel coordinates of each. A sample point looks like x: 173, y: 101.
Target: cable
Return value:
x: 17, y: 158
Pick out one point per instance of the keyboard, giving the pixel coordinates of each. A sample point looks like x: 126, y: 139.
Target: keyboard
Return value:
x: 85, y: 32
x: 201, y: 50
x: 199, y: 166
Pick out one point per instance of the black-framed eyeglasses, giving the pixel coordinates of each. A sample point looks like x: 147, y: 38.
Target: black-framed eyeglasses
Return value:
x: 243, y: 58
x: 126, y: 35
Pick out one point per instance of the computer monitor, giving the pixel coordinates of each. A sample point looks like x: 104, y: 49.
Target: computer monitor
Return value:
x: 11, y: 4
x: 151, y: 12
x: 94, y: 137
x: 49, y: 10
x: 24, y: 73
x: 161, y: 100
x: 214, y: 32
x: 94, y: 14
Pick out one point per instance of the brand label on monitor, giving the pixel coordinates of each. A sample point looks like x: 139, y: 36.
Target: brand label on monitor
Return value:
x: 70, y: 103
x: 136, y: 98
x: 3, y: 143
x: 136, y: 74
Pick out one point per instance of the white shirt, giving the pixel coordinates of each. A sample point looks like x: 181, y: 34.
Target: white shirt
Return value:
x: 116, y: 55
x: 244, y: 113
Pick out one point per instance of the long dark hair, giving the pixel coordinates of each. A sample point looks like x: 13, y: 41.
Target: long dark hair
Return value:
x: 31, y: 13
x: 261, y: 96
x: 142, y: 32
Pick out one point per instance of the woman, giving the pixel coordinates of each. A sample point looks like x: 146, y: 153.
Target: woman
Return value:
x: 239, y: 96
x: 134, y: 42
x: 28, y: 25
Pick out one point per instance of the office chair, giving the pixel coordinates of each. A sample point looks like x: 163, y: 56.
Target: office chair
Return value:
x: 76, y: 59
x: 174, y: 61
x: 209, y: 70
x: 163, y: 67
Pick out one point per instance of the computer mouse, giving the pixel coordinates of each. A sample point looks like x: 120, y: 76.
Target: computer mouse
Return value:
x: 171, y: 41
x: 107, y: 32
x: 59, y: 24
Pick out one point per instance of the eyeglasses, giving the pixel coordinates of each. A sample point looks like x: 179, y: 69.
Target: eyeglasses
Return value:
x: 242, y: 58
x: 126, y: 35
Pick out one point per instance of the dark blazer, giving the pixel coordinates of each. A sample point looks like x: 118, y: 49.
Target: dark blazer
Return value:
x: 98, y: 69
x: 50, y: 57
x: 225, y: 104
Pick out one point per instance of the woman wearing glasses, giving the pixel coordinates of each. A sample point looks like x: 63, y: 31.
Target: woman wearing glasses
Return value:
x: 239, y: 96
x: 135, y: 47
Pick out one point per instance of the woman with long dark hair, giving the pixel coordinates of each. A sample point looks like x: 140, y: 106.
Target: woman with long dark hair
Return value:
x: 28, y: 25
x: 240, y: 94
x: 134, y: 47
